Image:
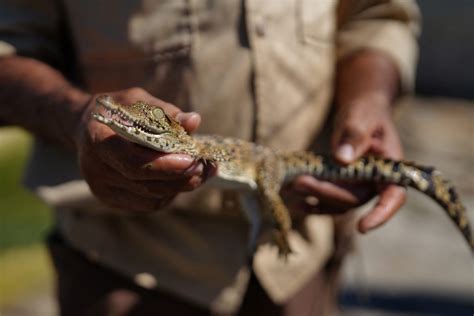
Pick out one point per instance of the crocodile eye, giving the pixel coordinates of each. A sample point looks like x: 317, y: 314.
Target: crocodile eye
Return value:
x: 158, y: 113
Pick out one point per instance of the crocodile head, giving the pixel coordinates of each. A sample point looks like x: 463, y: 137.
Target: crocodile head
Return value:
x: 144, y: 124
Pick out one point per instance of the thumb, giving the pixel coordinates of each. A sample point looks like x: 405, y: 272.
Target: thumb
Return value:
x: 351, y: 146
x: 189, y: 120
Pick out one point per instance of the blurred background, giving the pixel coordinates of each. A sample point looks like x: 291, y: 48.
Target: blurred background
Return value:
x: 418, y: 264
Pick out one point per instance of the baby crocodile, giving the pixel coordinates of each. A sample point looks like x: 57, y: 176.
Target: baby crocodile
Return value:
x: 262, y: 170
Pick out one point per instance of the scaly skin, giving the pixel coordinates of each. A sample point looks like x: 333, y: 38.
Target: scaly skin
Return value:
x: 242, y: 164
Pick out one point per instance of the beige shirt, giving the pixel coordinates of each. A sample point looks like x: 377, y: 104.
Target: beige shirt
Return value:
x: 254, y: 69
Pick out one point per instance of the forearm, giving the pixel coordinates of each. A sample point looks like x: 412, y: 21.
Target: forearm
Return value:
x: 366, y: 75
x: 367, y: 84
x: 40, y: 99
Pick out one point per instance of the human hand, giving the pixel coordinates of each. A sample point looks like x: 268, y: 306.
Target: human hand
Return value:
x: 125, y: 175
x: 364, y: 127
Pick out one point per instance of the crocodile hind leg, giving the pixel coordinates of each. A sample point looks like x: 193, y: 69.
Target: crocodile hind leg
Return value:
x: 270, y: 175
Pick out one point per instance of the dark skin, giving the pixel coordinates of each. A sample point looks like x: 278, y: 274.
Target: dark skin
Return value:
x: 121, y: 173
x: 363, y: 125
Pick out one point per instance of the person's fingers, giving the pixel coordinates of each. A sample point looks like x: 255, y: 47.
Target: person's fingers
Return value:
x: 391, y: 144
x: 334, y: 193
x: 189, y: 120
x: 352, y: 142
x: 174, y: 166
x: 390, y: 200
x: 326, y: 198
x: 106, y: 182
x: 353, y: 147
x: 323, y: 190
x: 139, y: 163
x: 98, y: 170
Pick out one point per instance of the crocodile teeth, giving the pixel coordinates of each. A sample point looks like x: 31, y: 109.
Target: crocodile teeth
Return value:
x: 123, y: 119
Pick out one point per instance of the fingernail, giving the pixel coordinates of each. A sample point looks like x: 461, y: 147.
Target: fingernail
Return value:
x: 301, y: 187
x: 194, y: 182
x: 184, y: 116
x: 194, y: 170
x: 345, y: 152
x: 180, y: 161
x: 183, y: 158
x: 311, y: 200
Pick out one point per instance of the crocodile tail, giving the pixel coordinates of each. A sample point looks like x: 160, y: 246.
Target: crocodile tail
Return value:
x: 429, y: 181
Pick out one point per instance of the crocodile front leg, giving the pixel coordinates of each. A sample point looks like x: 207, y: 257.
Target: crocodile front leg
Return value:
x: 270, y: 175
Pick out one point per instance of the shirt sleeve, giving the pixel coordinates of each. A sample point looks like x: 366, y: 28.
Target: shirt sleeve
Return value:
x: 30, y: 28
x: 390, y: 26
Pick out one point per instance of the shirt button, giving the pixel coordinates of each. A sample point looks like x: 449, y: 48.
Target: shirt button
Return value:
x: 260, y: 29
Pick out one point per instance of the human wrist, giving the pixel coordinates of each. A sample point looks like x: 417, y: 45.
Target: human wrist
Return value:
x: 366, y: 79
x: 40, y: 99
x: 368, y: 102
x: 77, y: 104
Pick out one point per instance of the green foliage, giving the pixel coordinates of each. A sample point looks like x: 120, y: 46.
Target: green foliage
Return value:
x: 23, y: 270
x: 24, y: 220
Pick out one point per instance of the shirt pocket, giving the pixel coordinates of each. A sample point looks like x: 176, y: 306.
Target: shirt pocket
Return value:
x: 316, y: 21
x: 163, y: 29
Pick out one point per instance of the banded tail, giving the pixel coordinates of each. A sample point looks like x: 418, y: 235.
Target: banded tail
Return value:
x: 444, y: 193
x: 427, y: 180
